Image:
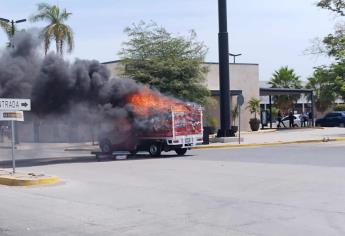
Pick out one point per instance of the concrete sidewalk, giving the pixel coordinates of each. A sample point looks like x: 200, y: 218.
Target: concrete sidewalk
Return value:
x: 262, y: 137
x: 284, y: 136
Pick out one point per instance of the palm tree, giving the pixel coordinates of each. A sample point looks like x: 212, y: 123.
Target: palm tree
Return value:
x: 10, y: 30
x: 6, y: 27
x: 56, y: 29
x: 254, y: 108
x: 285, y: 78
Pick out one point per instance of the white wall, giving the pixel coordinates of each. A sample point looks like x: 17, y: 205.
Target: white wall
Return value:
x: 243, y: 77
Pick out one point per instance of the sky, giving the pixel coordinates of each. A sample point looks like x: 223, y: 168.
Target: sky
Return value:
x: 271, y: 33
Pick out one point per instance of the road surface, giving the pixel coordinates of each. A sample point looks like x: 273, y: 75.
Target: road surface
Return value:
x: 280, y: 190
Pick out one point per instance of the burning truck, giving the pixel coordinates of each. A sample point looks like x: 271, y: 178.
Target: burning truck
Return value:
x: 158, y: 123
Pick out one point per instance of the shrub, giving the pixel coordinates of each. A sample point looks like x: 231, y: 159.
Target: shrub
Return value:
x: 339, y: 107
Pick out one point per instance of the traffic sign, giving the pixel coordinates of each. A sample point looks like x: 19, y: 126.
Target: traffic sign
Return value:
x: 12, y: 115
x: 14, y: 104
x: 240, y: 99
x: 11, y: 109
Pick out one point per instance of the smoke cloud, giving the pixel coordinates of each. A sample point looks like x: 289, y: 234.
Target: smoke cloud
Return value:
x: 81, y: 91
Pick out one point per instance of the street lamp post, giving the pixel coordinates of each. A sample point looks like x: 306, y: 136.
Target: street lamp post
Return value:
x: 234, y: 56
x: 224, y: 77
x: 12, y: 28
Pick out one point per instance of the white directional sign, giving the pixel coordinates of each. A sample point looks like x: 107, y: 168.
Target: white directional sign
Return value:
x: 11, y: 109
x: 14, y: 104
x: 12, y: 115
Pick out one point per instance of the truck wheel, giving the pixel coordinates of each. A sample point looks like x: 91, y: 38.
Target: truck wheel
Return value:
x: 133, y: 152
x: 181, y: 151
x: 155, y: 149
x: 106, y: 147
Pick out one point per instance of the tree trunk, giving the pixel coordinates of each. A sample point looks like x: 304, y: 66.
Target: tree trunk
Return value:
x: 61, y: 47
x: 57, y: 46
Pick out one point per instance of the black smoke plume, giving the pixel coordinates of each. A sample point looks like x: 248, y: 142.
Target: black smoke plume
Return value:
x: 82, y: 91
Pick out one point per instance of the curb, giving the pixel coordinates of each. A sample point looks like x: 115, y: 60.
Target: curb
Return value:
x: 27, y: 180
x: 236, y: 145
x: 269, y: 144
x: 339, y: 139
x: 7, y: 147
x: 81, y: 149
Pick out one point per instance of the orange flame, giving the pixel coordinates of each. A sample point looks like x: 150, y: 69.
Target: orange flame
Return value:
x: 146, y: 101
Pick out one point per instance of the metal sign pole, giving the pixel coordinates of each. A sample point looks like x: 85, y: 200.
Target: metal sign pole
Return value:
x: 11, y: 109
x: 240, y: 101
x: 239, y: 123
x: 13, y: 159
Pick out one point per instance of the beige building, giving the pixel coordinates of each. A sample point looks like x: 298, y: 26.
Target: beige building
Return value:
x: 244, y: 79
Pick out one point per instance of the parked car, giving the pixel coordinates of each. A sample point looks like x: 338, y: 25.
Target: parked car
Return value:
x: 332, y: 119
x: 297, y: 120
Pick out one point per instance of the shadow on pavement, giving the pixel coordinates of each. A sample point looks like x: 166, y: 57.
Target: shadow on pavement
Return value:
x: 77, y: 159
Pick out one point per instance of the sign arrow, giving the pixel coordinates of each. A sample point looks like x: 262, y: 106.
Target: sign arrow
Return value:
x: 15, y: 104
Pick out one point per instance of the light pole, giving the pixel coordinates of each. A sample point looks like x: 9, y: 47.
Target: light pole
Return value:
x: 234, y: 56
x: 12, y: 28
x: 224, y: 77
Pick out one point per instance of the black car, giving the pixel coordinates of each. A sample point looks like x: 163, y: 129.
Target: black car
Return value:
x: 332, y: 119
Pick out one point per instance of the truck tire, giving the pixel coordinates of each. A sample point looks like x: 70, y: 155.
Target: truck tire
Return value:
x: 181, y: 151
x: 133, y: 152
x: 106, y: 147
x: 155, y: 149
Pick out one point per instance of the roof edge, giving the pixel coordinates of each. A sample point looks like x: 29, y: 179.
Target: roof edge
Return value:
x: 207, y: 63
x: 247, y: 64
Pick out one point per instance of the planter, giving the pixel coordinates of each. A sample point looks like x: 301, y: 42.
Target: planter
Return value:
x: 234, y: 128
x: 210, y: 129
x: 228, y: 133
x: 254, y: 124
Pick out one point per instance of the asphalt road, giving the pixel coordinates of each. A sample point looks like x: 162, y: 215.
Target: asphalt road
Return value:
x: 280, y: 190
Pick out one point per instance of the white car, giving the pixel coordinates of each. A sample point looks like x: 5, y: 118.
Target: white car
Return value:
x: 297, y: 121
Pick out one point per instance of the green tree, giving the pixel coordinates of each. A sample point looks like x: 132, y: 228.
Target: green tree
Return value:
x: 338, y: 75
x: 332, y: 45
x: 322, y: 82
x: 171, y: 64
x: 336, y: 6
x: 285, y: 78
x: 328, y: 82
x: 56, y: 29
